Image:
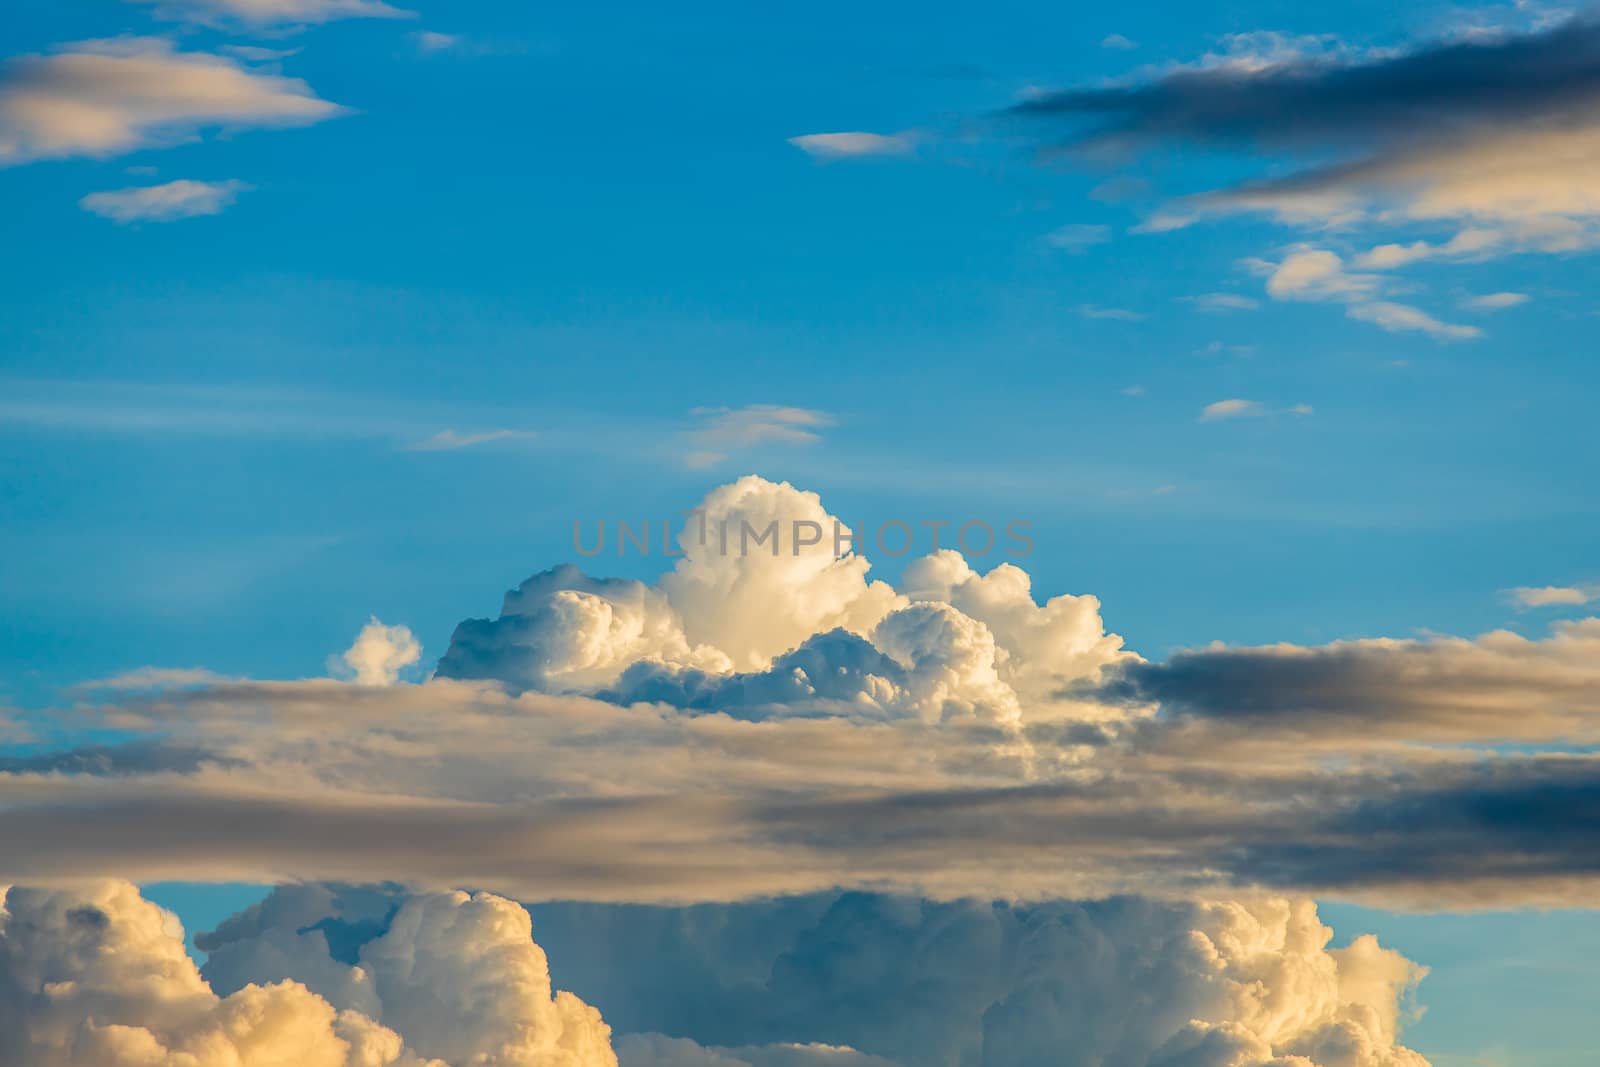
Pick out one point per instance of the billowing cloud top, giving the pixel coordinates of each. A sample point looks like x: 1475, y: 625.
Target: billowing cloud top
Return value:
x: 335, y: 976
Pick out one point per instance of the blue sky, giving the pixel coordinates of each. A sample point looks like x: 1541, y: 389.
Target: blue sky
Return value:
x: 581, y: 244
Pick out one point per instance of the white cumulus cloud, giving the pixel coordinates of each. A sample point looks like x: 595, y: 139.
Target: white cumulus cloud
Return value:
x: 103, y: 98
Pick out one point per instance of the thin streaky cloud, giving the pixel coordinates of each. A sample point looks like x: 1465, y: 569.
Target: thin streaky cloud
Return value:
x: 1399, y: 318
x: 1093, y: 311
x: 854, y: 144
x: 1078, y: 236
x: 1222, y: 302
x: 267, y: 13
x: 451, y: 441
x: 1495, y: 301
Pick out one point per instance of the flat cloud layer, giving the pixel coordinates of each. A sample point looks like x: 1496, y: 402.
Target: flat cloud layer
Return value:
x: 759, y: 724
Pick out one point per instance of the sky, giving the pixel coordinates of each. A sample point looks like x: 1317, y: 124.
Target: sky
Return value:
x: 326, y: 323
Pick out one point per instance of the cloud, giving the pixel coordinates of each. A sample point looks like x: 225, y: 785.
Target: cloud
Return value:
x: 1554, y: 596
x: 105, y: 98
x: 771, y: 723
x: 183, y: 199
x: 1500, y: 686
x: 259, y: 13
x: 381, y: 653
x: 867, y: 980
x: 1492, y: 132
x: 1317, y: 274
x: 1397, y: 318
x: 852, y: 145
x: 754, y: 426
x: 1118, y: 42
x: 451, y: 441
x: 1124, y: 981
x: 1234, y: 408
x: 96, y: 974
x: 1078, y: 236
x: 1217, y: 302
x: 1309, y: 273
x: 1091, y: 311
x: 430, y: 41
x: 1495, y: 301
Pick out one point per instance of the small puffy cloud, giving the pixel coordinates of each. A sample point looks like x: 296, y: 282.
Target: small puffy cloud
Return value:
x: 1495, y: 301
x: 1078, y: 236
x: 1550, y: 596
x: 103, y: 98
x: 1233, y: 408
x: 183, y: 199
x: 1399, y: 318
x: 381, y: 653
x: 1317, y: 274
x: 260, y: 13
x: 851, y: 145
x: 451, y: 441
x: 1117, y: 42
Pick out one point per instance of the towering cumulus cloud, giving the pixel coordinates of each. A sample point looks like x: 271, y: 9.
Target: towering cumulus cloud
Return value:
x: 99, y: 976
x: 789, y: 621
x: 332, y: 976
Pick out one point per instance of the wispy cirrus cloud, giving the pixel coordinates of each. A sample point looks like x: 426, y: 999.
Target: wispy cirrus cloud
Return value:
x: 1222, y: 302
x: 1400, y: 318
x: 854, y: 144
x: 1095, y: 311
x: 451, y: 441
x: 262, y: 13
x: 723, y: 430
x: 182, y: 199
x: 104, y: 98
x: 1078, y: 236
x: 1495, y: 301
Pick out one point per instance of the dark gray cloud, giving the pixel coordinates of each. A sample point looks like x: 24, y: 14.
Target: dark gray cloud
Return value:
x: 1427, y: 93
x: 1497, y: 687
x: 135, y: 757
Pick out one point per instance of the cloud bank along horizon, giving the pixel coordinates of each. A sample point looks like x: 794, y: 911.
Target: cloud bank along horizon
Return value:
x: 339, y: 976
